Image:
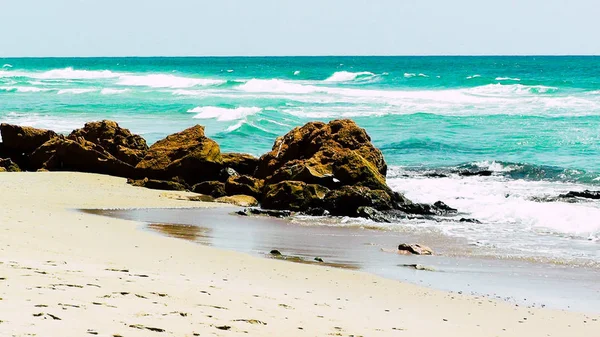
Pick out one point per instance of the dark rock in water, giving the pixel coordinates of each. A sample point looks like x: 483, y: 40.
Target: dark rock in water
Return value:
x: 188, y: 154
x: 157, y: 184
x: 442, y: 207
x: 7, y: 165
x: 267, y: 212
x: 24, y: 139
x: 415, y: 249
x: 213, y: 188
x: 244, y: 164
x: 244, y: 185
x: 372, y: 214
x: 293, y: 195
x: 239, y: 200
x: 435, y: 175
x: 119, y: 142
x: 418, y: 267
x: 318, y: 259
x: 316, y: 211
x: 469, y: 220
x: 319, y: 151
x: 484, y: 173
x: 275, y: 252
x: 348, y: 199
x: 59, y: 154
x: 587, y: 194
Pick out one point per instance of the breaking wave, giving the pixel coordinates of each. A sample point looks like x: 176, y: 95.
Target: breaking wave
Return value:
x: 224, y: 114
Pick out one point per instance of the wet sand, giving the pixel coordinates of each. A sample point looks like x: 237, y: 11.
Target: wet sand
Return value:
x: 453, y: 268
x: 66, y: 273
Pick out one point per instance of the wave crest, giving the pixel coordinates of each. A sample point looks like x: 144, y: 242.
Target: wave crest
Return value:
x: 346, y: 76
x: 224, y: 114
x: 166, y: 81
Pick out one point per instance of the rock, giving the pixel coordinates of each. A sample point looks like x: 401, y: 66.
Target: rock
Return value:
x: 316, y: 211
x: 347, y: 200
x: 484, y: 173
x: 244, y: 185
x: 239, y: 200
x: 213, y: 188
x: 267, y: 212
x: 418, y: 267
x: 189, y: 155
x: 438, y: 208
x: 203, y: 198
x: 318, y: 259
x: 244, y: 164
x: 157, y: 184
x: 59, y: 154
x: 7, y: 165
x: 24, y: 139
x: 335, y: 154
x: 119, y: 142
x: 587, y: 194
x: 293, y: 195
x: 435, y: 175
x: 275, y: 252
x: 469, y: 220
x: 443, y: 208
x: 372, y: 214
x: 227, y: 173
x: 415, y: 249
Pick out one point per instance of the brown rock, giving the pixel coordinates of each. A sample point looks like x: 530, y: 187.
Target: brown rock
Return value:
x: 119, y: 142
x: 239, y: 200
x: 335, y: 154
x: 79, y: 155
x: 189, y: 155
x: 24, y: 139
x: 244, y: 185
x: 415, y: 249
x: 293, y: 195
x: 7, y: 165
x: 244, y: 164
x: 157, y: 184
x: 216, y: 189
x: 348, y: 200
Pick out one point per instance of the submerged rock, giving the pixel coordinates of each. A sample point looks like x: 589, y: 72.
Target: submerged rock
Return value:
x: 372, y: 214
x: 119, y: 142
x: 415, y: 249
x: 348, y: 199
x: 438, y: 208
x: 469, y: 220
x: 587, y: 194
x: 418, y: 267
x: 483, y: 173
x: 188, y: 155
x: 239, y: 200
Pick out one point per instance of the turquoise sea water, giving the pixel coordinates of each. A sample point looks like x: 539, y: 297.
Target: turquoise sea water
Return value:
x: 534, y: 121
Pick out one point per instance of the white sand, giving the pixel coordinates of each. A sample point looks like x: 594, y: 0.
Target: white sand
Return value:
x: 97, y: 275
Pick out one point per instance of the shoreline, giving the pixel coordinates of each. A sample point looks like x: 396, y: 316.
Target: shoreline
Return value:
x: 105, y: 276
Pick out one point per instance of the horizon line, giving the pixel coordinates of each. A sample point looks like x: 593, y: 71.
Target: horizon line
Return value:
x: 285, y: 56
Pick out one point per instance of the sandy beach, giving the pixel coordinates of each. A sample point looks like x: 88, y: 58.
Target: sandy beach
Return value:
x: 66, y: 273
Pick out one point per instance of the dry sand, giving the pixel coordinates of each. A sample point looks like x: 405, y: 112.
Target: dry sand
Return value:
x: 65, y: 273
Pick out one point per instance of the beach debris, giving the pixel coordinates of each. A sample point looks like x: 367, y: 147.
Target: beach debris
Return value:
x: 239, y: 200
x: 418, y: 267
x: 142, y: 327
x: 250, y: 321
x: 416, y: 249
x: 223, y: 327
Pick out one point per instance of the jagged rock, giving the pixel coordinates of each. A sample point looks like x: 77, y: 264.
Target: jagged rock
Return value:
x: 213, y: 188
x: 157, y: 184
x: 335, y: 154
x: 239, y: 200
x: 484, y: 173
x: 587, y: 194
x: 59, y: 154
x: 293, y: 195
x: 275, y: 252
x: 119, y: 142
x: 267, y: 212
x: 435, y: 175
x: 443, y: 208
x: 438, y: 208
x: 348, y: 199
x: 7, y: 165
x: 24, y: 139
x: 372, y: 214
x: 242, y: 163
x: 244, y: 185
x: 316, y: 211
x: 189, y: 155
x: 469, y: 220
x: 415, y: 249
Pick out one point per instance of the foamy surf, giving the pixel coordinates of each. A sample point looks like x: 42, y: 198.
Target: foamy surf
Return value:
x: 166, y: 81
x: 224, y: 114
x: 346, y: 76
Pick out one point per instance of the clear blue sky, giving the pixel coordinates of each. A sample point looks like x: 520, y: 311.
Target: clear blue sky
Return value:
x: 297, y: 27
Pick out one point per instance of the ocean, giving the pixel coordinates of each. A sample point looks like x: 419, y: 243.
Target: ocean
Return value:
x: 533, y: 121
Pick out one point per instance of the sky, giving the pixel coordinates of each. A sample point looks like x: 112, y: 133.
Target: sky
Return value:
x: 35, y: 28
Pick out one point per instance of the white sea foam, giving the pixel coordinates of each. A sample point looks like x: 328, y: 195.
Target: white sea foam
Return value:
x: 423, y: 75
x: 224, y: 114
x: 473, y: 76
x: 511, y: 89
x: 279, y: 86
x: 166, y: 81
x: 409, y: 75
x: 112, y: 91
x: 507, y: 79
x: 346, y: 76
x: 24, y: 89
x: 297, y: 72
x: 7, y: 66
x: 70, y: 73
x: 75, y: 91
